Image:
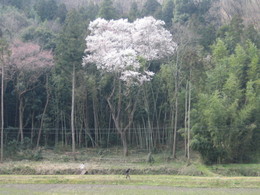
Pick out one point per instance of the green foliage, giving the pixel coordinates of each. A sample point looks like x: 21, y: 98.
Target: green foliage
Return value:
x: 46, y: 9
x: 152, y: 8
x: 41, y: 35
x: 203, y: 6
x: 183, y: 9
x: 70, y: 44
x: 208, y: 36
x: 232, y: 33
x: 12, y: 21
x: 20, y: 4
x: 61, y: 12
x: 107, y: 11
x: 219, y: 50
x: 11, y: 148
x: 225, y: 131
x: 167, y: 12
x: 90, y: 12
x: 22, y: 150
x: 250, y: 33
x: 134, y: 12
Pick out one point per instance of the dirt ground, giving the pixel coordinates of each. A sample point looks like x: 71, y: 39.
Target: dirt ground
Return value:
x: 33, y: 189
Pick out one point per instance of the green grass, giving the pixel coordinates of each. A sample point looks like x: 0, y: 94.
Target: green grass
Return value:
x: 137, y: 180
x: 236, y: 169
x: 124, y: 190
x: 105, y: 168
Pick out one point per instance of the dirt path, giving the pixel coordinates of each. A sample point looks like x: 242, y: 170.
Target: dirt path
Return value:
x: 33, y: 189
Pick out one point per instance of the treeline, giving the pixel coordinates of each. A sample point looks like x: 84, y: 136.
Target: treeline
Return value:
x: 205, y: 97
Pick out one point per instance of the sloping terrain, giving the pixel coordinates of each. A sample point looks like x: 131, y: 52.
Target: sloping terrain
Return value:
x: 248, y: 9
x: 224, y: 10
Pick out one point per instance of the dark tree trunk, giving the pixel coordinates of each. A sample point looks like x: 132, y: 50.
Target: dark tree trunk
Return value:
x: 124, y: 142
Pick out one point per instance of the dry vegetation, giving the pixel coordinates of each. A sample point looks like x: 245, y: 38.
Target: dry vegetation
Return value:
x: 111, y: 161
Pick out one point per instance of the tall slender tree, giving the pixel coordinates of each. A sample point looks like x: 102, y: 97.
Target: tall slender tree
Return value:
x: 69, y: 52
x: 167, y: 12
x: 4, y: 56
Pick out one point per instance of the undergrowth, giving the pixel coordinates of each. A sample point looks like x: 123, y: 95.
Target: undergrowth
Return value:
x: 111, y: 161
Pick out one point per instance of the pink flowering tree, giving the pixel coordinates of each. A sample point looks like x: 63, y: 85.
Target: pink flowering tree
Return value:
x: 124, y: 50
x: 28, y: 63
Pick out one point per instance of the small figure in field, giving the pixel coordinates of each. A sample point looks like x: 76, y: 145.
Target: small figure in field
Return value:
x: 150, y: 158
x: 127, y: 174
x: 82, y: 169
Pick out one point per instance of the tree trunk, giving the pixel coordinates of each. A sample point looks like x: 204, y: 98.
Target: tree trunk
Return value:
x: 32, y: 128
x: 72, y: 110
x: 21, y: 109
x: 124, y: 142
x: 189, y: 109
x: 95, y: 102
x: 57, y: 134
x: 175, y: 116
x: 2, y: 112
x: 116, y: 111
x: 175, y: 128
x: 186, y: 120
x: 57, y: 119
x: 149, y: 123
x: 43, y: 114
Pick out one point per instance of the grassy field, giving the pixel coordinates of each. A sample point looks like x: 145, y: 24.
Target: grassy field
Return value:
x: 59, y: 173
x: 117, y: 184
x: 137, y: 180
x: 114, y: 190
x: 60, y: 189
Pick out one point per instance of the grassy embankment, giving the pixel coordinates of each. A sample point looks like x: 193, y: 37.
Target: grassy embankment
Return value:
x: 110, y: 161
x: 106, y: 167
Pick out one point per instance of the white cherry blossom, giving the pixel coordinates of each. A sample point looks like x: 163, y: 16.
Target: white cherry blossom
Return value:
x: 117, y: 45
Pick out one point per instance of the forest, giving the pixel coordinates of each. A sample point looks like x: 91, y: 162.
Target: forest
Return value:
x: 201, y: 91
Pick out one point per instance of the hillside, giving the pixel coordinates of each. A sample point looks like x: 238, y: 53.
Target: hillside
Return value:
x: 121, y: 3
x: 221, y: 9
x: 248, y: 9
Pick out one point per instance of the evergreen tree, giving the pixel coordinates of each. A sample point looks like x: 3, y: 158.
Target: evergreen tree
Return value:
x: 183, y: 10
x: 90, y: 12
x: 167, y: 12
x: 250, y: 33
x: 107, y: 11
x: 134, y: 12
x: 152, y: 8
x: 20, y: 4
x: 4, y: 57
x: 69, y: 52
x: 46, y: 9
x: 232, y: 33
x: 41, y: 35
x: 61, y: 12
